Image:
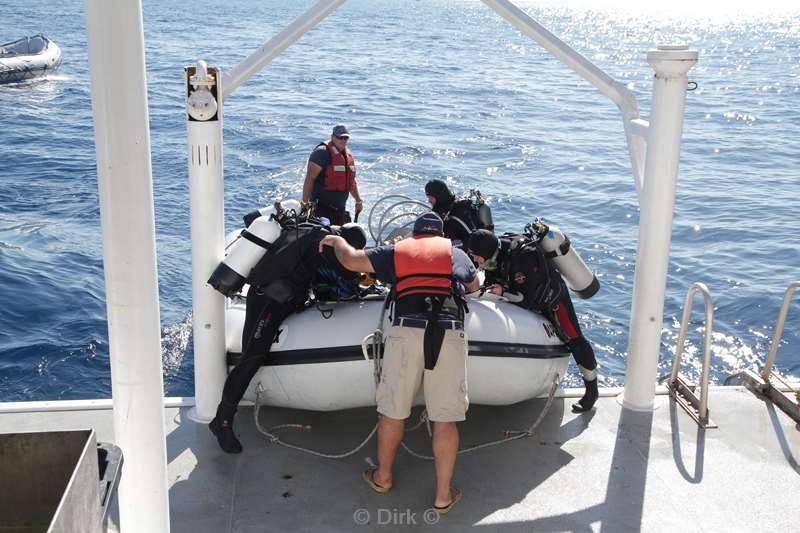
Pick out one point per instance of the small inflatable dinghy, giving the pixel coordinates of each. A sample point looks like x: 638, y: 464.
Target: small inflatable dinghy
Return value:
x: 322, y: 357
x: 28, y: 57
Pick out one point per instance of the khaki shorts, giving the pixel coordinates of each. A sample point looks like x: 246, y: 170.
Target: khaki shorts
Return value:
x: 445, y: 387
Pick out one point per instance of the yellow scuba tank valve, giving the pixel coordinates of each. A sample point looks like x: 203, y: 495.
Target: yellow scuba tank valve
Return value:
x: 558, y: 248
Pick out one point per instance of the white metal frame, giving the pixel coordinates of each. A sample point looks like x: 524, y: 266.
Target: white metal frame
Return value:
x: 653, y: 147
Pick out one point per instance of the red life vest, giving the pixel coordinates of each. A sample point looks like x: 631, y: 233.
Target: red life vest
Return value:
x: 423, y: 265
x: 340, y: 174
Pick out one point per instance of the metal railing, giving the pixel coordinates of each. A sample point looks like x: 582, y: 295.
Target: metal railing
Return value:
x: 766, y: 373
x: 762, y: 385
x: 682, y: 391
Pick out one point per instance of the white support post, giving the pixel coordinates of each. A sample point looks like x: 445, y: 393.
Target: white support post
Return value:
x: 206, y: 193
x: 125, y: 183
x: 206, y: 90
x: 273, y: 48
x: 671, y: 64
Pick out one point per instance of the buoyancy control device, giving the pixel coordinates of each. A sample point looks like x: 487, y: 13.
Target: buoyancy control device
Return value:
x: 253, y: 242
x: 472, y: 212
x: 558, y: 248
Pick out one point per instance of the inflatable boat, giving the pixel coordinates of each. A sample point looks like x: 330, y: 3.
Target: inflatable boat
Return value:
x: 322, y: 358
x: 28, y: 57
x: 322, y: 362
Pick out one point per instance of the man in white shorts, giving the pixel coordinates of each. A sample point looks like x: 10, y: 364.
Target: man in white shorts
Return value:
x: 426, y: 345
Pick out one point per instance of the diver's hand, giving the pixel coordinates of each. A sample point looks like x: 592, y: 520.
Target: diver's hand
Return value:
x: 330, y: 240
x: 496, y: 289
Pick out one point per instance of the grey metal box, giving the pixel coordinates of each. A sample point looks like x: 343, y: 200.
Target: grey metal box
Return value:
x: 49, y: 482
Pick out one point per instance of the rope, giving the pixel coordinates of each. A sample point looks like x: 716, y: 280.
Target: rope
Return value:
x: 274, y: 438
x: 508, y: 435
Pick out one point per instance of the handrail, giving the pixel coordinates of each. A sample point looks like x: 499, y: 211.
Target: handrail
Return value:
x: 776, y: 337
x: 687, y: 311
x: 383, y: 223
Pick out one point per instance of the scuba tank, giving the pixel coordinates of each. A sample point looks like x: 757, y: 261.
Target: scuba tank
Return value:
x: 483, y: 211
x: 558, y: 248
x: 286, y: 205
x: 247, y: 250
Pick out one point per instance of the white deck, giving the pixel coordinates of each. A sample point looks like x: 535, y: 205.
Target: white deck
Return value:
x: 610, y: 470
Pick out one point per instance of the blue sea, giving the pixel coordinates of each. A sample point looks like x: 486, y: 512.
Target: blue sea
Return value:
x: 431, y: 89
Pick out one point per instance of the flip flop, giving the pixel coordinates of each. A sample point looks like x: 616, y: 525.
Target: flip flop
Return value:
x: 367, y: 476
x: 456, y: 494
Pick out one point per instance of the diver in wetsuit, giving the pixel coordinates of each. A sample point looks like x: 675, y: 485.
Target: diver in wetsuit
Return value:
x: 461, y: 216
x: 518, y: 269
x: 279, y: 286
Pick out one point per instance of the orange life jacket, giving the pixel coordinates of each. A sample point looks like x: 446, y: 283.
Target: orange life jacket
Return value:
x: 340, y: 174
x: 423, y: 265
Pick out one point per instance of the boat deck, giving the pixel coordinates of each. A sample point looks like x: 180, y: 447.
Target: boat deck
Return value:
x: 609, y: 470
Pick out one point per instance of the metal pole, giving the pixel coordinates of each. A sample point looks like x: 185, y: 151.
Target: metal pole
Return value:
x: 119, y: 103
x: 624, y: 98
x: 273, y: 48
x: 616, y: 91
x: 671, y: 64
x: 206, y: 194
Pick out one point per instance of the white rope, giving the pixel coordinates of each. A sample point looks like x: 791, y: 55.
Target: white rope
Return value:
x: 271, y: 433
x: 509, y: 435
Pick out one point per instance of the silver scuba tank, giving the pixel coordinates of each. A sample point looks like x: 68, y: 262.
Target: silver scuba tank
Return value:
x: 558, y: 248
x: 247, y: 250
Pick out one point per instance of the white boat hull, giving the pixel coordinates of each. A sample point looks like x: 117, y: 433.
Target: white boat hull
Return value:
x: 318, y: 364
x: 24, y: 66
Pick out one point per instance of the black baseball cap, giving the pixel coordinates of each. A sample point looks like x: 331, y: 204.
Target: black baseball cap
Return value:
x: 340, y: 130
x: 428, y: 224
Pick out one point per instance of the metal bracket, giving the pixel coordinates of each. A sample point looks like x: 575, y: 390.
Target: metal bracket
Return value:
x: 684, y: 394
x: 764, y: 389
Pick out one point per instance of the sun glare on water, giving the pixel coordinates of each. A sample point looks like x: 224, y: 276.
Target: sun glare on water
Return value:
x: 683, y: 8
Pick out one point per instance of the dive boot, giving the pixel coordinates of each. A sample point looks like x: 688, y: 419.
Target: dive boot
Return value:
x: 222, y: 428
x: 589, y: 397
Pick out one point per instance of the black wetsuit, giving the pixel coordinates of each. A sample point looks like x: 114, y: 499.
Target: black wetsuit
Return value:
x: 279, y: 286
x: 460, y: 220
x: 523, y: 268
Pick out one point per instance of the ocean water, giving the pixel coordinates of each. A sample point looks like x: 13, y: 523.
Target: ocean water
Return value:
x: 431, y: 89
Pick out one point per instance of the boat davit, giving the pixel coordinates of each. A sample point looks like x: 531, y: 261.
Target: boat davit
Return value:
x: 28, y: 57
x: 322, y: 358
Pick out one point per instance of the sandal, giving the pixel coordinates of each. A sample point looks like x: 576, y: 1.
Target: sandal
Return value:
x: 456, y: 495
x: 368, y: 476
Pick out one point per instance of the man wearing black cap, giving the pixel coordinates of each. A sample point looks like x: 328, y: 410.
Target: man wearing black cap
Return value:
x: 331, y: 177
x: 520, y: 272
x: 461, y: 217
x: 426, y: 345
